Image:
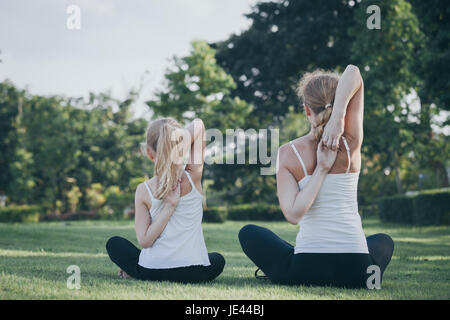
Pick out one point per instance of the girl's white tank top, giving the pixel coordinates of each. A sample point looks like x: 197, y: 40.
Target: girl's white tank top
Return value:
x: 181, y: 243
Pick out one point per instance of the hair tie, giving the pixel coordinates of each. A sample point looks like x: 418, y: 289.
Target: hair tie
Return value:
x: 328, y: 106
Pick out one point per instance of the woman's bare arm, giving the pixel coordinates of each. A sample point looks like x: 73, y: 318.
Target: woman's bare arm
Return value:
x: 348, y: 109
x: 295, y: 203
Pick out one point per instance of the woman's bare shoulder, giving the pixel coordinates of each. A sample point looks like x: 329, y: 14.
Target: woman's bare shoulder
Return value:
x: 288, y: 159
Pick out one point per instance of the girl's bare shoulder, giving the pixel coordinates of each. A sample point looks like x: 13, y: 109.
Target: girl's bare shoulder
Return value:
x: 142, y: 194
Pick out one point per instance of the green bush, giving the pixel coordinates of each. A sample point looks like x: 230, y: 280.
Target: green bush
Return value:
x: 432, y: 207
x: 396, y: 209
x: 95, y: 197
x: 368, y: 211
x: 424, y: 208
x: 215, y: 214
x: 255, y: 211
x: 73, y: 198
x: 116, y: 203
x: 23, y: 213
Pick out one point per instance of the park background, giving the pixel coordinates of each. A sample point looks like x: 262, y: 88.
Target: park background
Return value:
x: 68, y: 157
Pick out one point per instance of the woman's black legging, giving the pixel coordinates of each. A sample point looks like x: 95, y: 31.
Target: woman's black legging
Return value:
x: 276, y: 258
x: 126, y: 256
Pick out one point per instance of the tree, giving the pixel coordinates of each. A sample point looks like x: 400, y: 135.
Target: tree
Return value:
x: 52, y: 145
x: 387, y: 58
x: 433, y: 81
x: 198, y: 87
x: 432, y: 64
x: 285, y: 39
x: 11, y: 100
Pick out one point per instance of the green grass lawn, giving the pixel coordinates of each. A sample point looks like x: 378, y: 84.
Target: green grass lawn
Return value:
x: 34, y: 258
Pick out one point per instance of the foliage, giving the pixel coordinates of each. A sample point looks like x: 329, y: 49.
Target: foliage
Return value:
x: 52, y: 145
x: 198, y: 87
x: 95, y: 197
x: 23, y: 213
x: 432, y: 207
x: 256, y: 212
x: 118, y: 200
x: 215, y: 214
x: 267, y: 60
x: 432, y: 59
x: 396, y: 209
x: 73, y: 197
x: 424, y: 208
x: 389, y: 51
x: 53, y: 148
x: 368, y: 211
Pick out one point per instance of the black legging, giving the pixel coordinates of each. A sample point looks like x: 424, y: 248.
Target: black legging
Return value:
x: 126, y: 256
x: 276, y: 258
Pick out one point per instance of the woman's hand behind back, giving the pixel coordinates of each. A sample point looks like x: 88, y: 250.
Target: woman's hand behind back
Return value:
x: 333, y: 131
x: 325, y: 157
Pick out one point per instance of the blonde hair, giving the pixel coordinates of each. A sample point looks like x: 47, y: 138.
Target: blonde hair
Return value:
x: 317, y: 90
x: 160, y: 138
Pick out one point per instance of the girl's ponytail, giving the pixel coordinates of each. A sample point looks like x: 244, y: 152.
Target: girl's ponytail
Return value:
x: 163, y: 139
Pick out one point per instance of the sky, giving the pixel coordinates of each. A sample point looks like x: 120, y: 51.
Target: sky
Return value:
x: 119, y: 44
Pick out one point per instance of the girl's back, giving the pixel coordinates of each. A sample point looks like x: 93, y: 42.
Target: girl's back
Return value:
x: 181, y: 243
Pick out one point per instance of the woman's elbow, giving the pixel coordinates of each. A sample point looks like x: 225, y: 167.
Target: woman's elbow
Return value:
x: 145, y: 244
x: 291, y: 218
x: 354, y: 70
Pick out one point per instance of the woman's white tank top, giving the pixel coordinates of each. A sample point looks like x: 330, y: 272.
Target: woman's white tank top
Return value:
x: 332, y: 224
x: 181, y: 243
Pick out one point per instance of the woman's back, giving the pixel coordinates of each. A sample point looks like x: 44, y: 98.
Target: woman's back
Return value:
x: 307, y: 147
x: 332, y: 224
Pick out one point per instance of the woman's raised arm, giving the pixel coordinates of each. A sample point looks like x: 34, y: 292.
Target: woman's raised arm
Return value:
x: 294, y: 203
x: 348, y: 109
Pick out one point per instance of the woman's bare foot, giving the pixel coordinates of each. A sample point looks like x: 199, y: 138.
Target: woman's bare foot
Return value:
x: 122, y: 274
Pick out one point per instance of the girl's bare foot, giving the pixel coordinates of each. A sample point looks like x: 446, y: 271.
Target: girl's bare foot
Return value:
x: 122, y: 274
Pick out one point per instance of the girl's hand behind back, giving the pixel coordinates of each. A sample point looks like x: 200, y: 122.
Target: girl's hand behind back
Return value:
x: 173, y: 197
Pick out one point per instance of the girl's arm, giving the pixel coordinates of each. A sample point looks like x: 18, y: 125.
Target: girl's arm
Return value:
x: 198, y: 144
x: 348, y: 109
x: 148, y: 231
x: 295, y: 203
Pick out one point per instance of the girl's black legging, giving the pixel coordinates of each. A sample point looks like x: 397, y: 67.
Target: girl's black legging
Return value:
x: 126, y: 256
x: 276, y: 258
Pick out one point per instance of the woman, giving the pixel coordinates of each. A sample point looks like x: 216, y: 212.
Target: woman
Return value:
x: 169, y: 212
x: 317, y: 183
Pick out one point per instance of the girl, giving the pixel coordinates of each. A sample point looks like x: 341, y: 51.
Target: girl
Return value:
x: 169, y: 212
x: 317, y: 188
